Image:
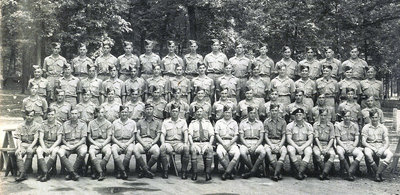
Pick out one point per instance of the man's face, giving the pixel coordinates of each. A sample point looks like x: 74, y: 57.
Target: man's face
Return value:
x: 67, y: 71
x: 178, y: 94
x: 149, y: 111
x: 326, y: 72
x: 263, y: 50
x: 256, y: 71
x: 274, y: 95
x: 299, y: 97
x: 37, y: 73
x: 179, y: 71
x: 106, y: 49
x: 348, y: 73
x: 74, y: 115
x: 252, y: 115
x: 124, y: 113
x: 34, y: 89
x: 224, y: 94
x: 200, y: 113
x: 375, y: 118
x: 371, y: 74
x: 148, y: 48
x: 350, y: 95
x: 60, y: 97
x: 200, y: 94
x: 299, y: 116
x: 82, y: 51
x: 321, y: 101
x: 56, y: 50
x: 128, y: 49
x: 156, y: 93
x: 239, y: 49
x: 323, y: 116
x: 193, y: 47
x: 370, y: 102
x: 51, y: 116
x: 249, y: 94
x: 171, y: 48
x: 133, y: 73
x: 287, y: 53
x: 135, y: 95
x: 111, y: 95
x: 228, y: 69
x: 101, y: 113
x: 202, y: 69
x: 215, y: 47
x: 274, y: 112
x: 92, y: 72
x: 304, y: 72
x: 175, y: 113
x: 86, y: 97
x: 113, y: 72
x: 329, y: 53
x: 157, y: 70
x: 354, y: 53
x: 228, y: 114
x: 282, y: 71
x: 29, y: 117
x: 310, y: 53
x: 347, y: 117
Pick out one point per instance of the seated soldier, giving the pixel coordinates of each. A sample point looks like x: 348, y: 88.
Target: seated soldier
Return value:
x: 26, y: 136
x: 174, y: 138
x: 61, y: 107
x: 149, y: 131
x: 375, y: 140
x: 123, y: 139
x: 226, y: 134
x: 74, y: 141
x: 371, y: 106
x: 275, y: 138
x: 50, y: 136
x: 201, y: 138
x: 251, y: 134
x: 111, y: 107
x: 324, y: 135
x: 299, y: 138
x: 99, y: 136
x: 347, y: 138
x: 86, y: 107
x: 36, y: 103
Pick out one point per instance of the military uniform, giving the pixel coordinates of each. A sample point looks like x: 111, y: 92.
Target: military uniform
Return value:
x: 240, y: 67
x: 285, y: 87
x: 354, y: 108
x: 44, y: 89
x: 114, y: 84
x: 158, y: 83
x: 169, y: 64
x: 206, y: 107
x: 126, y: 63
x: 266, y: 66
x: 38, y: 104
x: 80, y: 65
x: 147, y: 62
x: 331, y: 113
x: 366, y: 118
x: 215, y: 63
x: 372, y: 88
x: 336, y: 67
x: 310, y: 89
x: 159, y: 107
x: 328, y: 87
x: 291, y: 68
x: 275, y: 130
x: 136, y: 110
x: 206, y: 83
x: 136, y: 83
x: 218, y: 108
x: 95, y: 86
x: 183, y: 108
x: 314, y: 68
x: 62, y: 110
x: 53, y: 68
x: 244, y: 104
x: 86, y: 111
x: 123, y: 132
x: 183, y: 84
x: 265, y: 109
x: 293, y: 106
x: 111, y: 110
x: 259, y: 88
x: 325, y: 133
x: 71, y: 87
x: 103, y: 63
x: 191, y: 65
x: 358, y: 67
x: 352, y: 83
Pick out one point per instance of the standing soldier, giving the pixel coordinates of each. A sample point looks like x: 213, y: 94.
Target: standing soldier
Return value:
x: 70, y: 85
x: 265, y: 111
x: 229, y: 82
x: 217, y: 111
x: 265, y: 64
x: 250, y: 101
x: 200, y: 102
x: 314, y: 67
x: 288, y: 62
x: 93, y: 84
x: 357, y: 64
x: 351, y: 105
x: 74, y: 141
x: 53, y: 65
x: 35, y: 103
x: 191, y: 60
x: 251, y: 133
x: 370, y: 106
x: 111, y: 107
x: 180, y: 82
x: 134, y: 82
x: 321, y: 105
x: 328, y: 86
x: 348, y: 82
x: 170, y: 61
x: 61, y: 107
x: 44, y: 89
x: 148, y: 60
x: 99, y: 136
x: 158, y: 103
x: 299, y: 138
x: 86, y: 108
x: 123, y: 138
x: 177, y: 100
x: 149, y: 132
x: 371, y: 87
x: 347, y: 138
x: 106, y: 60
x: 205, y: 82
x: 260, y: 87
x: 241, y: 67
x: 283, y: 85
x: 27, y: 135
x: 81, y: 63
x: 50, y: 136
x: 275, y: 138
x: 127, y: 62
x: 330, y: 60
x: 157, y: 81
x: 215, y: 61
x: 174, y: 138
x: 307, y: 85
x: 201, y: 139
x: 114, y: 84
x: 136, y: 106
x: 375, y: 139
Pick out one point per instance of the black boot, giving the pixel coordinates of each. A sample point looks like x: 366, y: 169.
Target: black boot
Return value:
x: 72, y: 175
x: 185, y: 163
x: 229, y: 169
x: 43, y: 166
x: 208, y: 168
x: 381, y: 168
x: 145, y: 169
x: 194, y: 168
x: 352, y: 170
x: 78, y: 162
x: 374, y: 168
x: 302, y: 168
x: 164, y: 161
x: 50, y: 167
x: 97, y: 165
x: 344, y: 166
x: 22, y: 166
x: 325, y: 172
x: 277, y: 171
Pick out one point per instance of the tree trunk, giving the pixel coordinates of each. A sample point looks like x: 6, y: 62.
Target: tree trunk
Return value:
x: 192, y: 22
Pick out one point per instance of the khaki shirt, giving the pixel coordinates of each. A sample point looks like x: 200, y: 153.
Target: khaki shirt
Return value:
x: 100, y: 130
x: 375, y: 134
x: 148, y: 61
x: 71, y: 86
x: 103, y: 62
x: 266, y: 109
x: 258, y: 86
x: 39, y: 105
x: 336, y: 66
x: 284, y: 86
x: 242, y: 107
x: 229, y: 82
x: 324, y: 132
x: 299, y: 132
x: 309, y: 87
x: 315, y: 68
x: 137, y: 83
x: 174, y: 130
x: 124, y: 130
x: 183, y: 108
x: 346, y: 133
x: 43, y: 85
x: 86, y: 111
x: 149, y: 129
x: 218, y: 108
x: 226, y: 129
x: 205, y: 105
x: 274, y: 129
x: 240, y: 66
x: 328, y: 87
x: 207, y: 128
x: 331, y: 113
x: 26, y: 133
x: 367, y: 119
x: 62, y: 110
x: 204, y: 82
x: 95, y: 86
x: 111, y: 110
x: 358, y: 66
x: 251, y: 130
x: 291, y: 67
x: 159, y: 107
x: 216, y: 63
x: 74, y: 132
x: 183, y: 84
x: 170, y: 63
x: 354, y: 108
x: 136, y: 110
x: 372, y: 88
x: 125, y: 62
x: 51, y: 131
x: 159, y: 82
x: 191, y: 63
x: 54, y: 66
x: 266, y: 65
x: 116, y: 84
x: 80, y: 65
x: 354, y: 84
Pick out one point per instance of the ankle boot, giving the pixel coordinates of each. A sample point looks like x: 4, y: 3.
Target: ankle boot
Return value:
x: 353, y: 169
x: 381, y: 168
x: 43, y: 166
x: 325, y: 172
x: 145, y: 168
x: 277, y: 170
x: 194, y: 169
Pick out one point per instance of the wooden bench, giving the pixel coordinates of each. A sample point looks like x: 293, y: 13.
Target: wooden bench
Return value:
x: 7, y: 153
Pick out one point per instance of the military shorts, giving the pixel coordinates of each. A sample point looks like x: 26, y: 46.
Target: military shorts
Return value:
x: 23, y: 149
x: 69, y: 152
x: 251, y: 143
x: 274, y: 142
x: 120, y: 150
x: 348, y: 144
x: 174, y: 146
x: 104, y: 149
x: 233, y: 150
x: 146, y: 141
x: 201, y: 147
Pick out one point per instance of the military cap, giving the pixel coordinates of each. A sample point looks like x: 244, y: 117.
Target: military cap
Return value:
x: 174, y: 106
x: 82, y: 45
x: 171, y: 43
x: 55, y: 44
x: 327, y: 66
x: 250, y: 109
x: 350, y: 89
x: 123, y: 107
x: 216, y: 41
x: 298, y: 110
x: 285, y: 48
x: 60, y: 92
x: 346, y: 68
x: 193, y: 43
x: 50, y: 110
x: 127, y: 43
x: 86, y: 91
x: 302, y: 67
x: 147, y: 105
x: 227, y: 108
x: 65, y: 66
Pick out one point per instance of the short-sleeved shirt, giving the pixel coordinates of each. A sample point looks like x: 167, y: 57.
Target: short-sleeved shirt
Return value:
x: 100, y: 129
x: 336, y: 66
x: 183, y: 108
x: 26, y: 133
x: 240, y: 66
x: 324, y: 132
x: 315, y: 112
x: 215, y: 63
x: 39, y: 105
x: 218, y: 108
x: 244, y: 104
x: 266, y: 108
x: 136, y: 109
x: 251, y: 130
x: 354, y: 108
x: 353, y: 84
x: 43, y: 85
x: 258, y: 86
x: 136, y: 83
x: 266, y: 65
x: 180, y: 83
x: 70, y: 85
x: 191, y: 63
x: 367, y: 119
x: 159, y: 107
x: 275, y: 129
x: 291, y: 67
x: 80, y: 65
x: 148, y: 61
x: 204, y: 82
x: 299, y: 132
x: 74, y: 132
x: 51, y: 131
x: 104, y: 62
x: 372, y: 88
x: 174, y: 130
x: 207, y: 128
x: 170, y: 63
x: 124, y: 130
x: 205, y: 105
x: 158, y: 82
x: 111, y: 110
x: 95, y: 85
x: 358, y: 67
x: 54, y: 66
x: 346, y: 132
x: 125, y: 62
x: 230, y: 82
x: 62, y: 110
x: 314, y: 68
x: 86, y: 111
x: 309, y: 87
x: 114, y: 84
x: 149, y: 129
x: 375, y: 134
x: 327, y: 87
x: 226, y: 129
x: 283, y: 86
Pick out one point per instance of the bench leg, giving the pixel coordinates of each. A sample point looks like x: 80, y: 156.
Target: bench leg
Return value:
x: 172, y: 157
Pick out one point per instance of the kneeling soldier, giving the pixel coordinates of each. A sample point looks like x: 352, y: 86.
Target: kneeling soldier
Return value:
x: 201, y: 138
x: 50, y: 136
x: 347, y: 137
x: 251, y: 133
x: 275, y: 138
x: 74, y: 141
x: 27, y: 137
x: 99, y: 136
x: 174, y: 137
x: 375, y: 139
x: 299, y: 137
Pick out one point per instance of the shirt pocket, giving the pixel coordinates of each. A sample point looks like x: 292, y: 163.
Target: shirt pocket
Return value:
x: 95, y: 132
x: 68, y: 135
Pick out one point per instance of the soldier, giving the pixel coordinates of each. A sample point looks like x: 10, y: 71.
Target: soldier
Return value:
x: 50, y: 136
x: 200, y: 101
x: 230, y: 82
x: 53, y: 65
x: 314, y: 66
x: 375, y: 139
x: 207, y: 83
x: 251, y: 134
x: 174, y: 138
x: 170, y: 61
x: 70, y: 84
x: 288, y: 62
x: 114, y: 83
x: 347, y: 138
x: 181, y: 82
x: 298, y: 103
x: 106, y: 60
x: 328, y: 86
x: 299, y: 138
x: 265, y: 111
x: 260, y: 87
x: 307, y: 85
x: 226, y: 134
x: 177, y: 100
x: 134, y: 82
x: 241, y: 67
x: 26, y: 136
x: 357, y: 64
x: 99, y: 135
x: 371, y: 106
x: 94, y: 85
x: 330, y: 60
x: 265, y: 64
x: 348, y: 82
x: 86, y: 108
x: 35, y: 103
x: 136, y: 106
x: 371, y: 87
x: 217, y: 111
x: 44, y: 89
x: 74, y: 141
x: 324, y: 136
x: 201, y: 139
x: 81, y: 63
x: 158, y: 103
x: 250, y: 101
x: 123, y: 138
x: 157, y: 81
x: 191, y: 60
x: 148, y: 60
x: 61, y: 107
x: 321, y: 105
x: 127, y: 62
x: 111, y: 107
x: 215, y: 61
x: 283, y: 85
x: 275, y: 139
x: 149, y: 132
x: 351, y: 105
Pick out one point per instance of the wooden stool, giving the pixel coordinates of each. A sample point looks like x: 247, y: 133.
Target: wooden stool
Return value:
x: 7, y: 153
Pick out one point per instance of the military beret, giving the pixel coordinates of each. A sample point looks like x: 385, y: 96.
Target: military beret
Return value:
x: 346, y: 68
x: 122, y: 107
x: 263, y: 45
x: 368, y: 68
x: 322, y: 110
x: 299, y: 91
x: 28, y: 112
x: 322, y: 95
x: 254, y: 66
x: 197, y: 108
x: 285, y: 48
x: 250, y: 109
x: 280, y: 66
x: 247, y: 88
x: 110, y: 68
x: 90, y: 66
x: 238, y: 44
x: 273, y: 106
x: 327, y: 66
x: 216, y: 41
x: 371, y: 97
x: 175, y: 90
x: 326, y: 48
x: 200, y: 89
x: 193, y: 43
x: 200, y: 64
x: 147, y: 105
x: 60, y: 92
x: 133, y: 90
x: 227, y: 108
x: 174, y: 106
x: 36, y: 67
x: 97, y: 110
x: 108, y: 90
x: 373, y: 112
x: 82, y: 46
x: 309, y: 48
x: 298, y: 110
x: 86, y: 91
x: 171, y: 43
